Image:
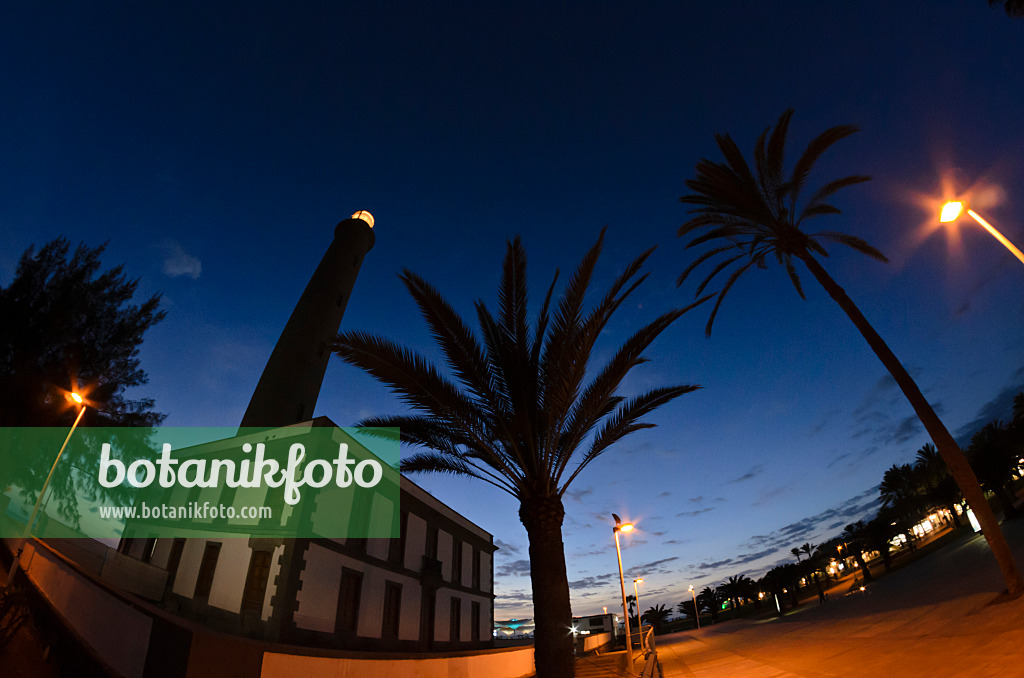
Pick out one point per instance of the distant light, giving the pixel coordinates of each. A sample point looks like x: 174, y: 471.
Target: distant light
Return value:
x: 950, y: 211
x: 364, y: 216
x: 77, y: 398
x: 974, y: 521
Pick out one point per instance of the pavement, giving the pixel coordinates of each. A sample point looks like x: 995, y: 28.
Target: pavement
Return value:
x: 943, y: 615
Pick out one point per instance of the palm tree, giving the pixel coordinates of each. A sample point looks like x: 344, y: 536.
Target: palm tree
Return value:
x: 796, y: 552
x: 941, y: 488
x: 754, y: 217
x: 853, y: 534
x: 993, y: 459
x: 525, y: 410
x: 656, y: 615
x: 735, y: 587
x: 711, y: 600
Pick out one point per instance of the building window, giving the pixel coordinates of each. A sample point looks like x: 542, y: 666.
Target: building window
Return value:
x: 432, y: 541
x: 206, y: 569
x: 177, y: 547
x: 476, y: 569
x: 396, y: 547
x: 348, y: 600
x: 148, y: 547
x: 475, y: 621
x: 456, y: 561
x: 427, y: 620
x: 256, y: 582
x: 392, y: 610
x: 455, y: 625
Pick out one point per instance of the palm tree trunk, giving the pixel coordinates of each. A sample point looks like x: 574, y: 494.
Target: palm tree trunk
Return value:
x: 553, y: 652
x: 950, y: 452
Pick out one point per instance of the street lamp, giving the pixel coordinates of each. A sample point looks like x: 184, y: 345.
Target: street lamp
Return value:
x: 636, y: 595
x: 35, y: 510
x: 624, y: 527
x: 953, y: 209
x: 696, y: 612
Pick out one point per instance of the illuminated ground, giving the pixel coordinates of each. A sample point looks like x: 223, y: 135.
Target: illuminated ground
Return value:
x: 940, y: 616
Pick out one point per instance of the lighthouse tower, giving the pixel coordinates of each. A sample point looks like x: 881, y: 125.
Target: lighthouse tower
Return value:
x: 287, y: 392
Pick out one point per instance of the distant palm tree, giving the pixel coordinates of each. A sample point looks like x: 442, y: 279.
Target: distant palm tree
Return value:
x: 993, y: 459
x: 527, y: 410
x: 853, y: 534
x: 656, y: 616
x: 796, y: 552
x: 735, y: 587
x: 754, y: 217
x: 941, y: 488
x: 711, y: 600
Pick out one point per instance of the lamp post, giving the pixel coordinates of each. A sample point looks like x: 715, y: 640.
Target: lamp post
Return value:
x: 620, y: 527
x: 636, y: 595
x: 953, y: 209
x: 696, y: 611
x: 35, y: 510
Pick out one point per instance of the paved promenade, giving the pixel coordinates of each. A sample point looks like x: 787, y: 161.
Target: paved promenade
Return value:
x: 939, y: 617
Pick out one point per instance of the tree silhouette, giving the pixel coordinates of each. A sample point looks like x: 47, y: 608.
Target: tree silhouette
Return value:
x: 68, y: 325
x: 521, y: 414
x: 657, y: 616
x: 993, y: 459
x: 753, y: 217
x: 1013, y: 7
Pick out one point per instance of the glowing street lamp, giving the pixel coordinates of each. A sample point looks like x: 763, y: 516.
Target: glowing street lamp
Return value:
x: 636, y: 594
x: 696, y: 612
x: 35, y: 510
x: 621, y: 527
x: 953, y: 209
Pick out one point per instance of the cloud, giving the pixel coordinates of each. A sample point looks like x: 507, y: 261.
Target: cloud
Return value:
x: 697, y: 512
x: 665, y: 494
x: 505, y: 546
x: 178, y: 262
x: 767, y: 496
x: 855, y: 508
x: 1000, y: 407
x: 738, y: 560
x: 677, y: 541
x: 578, y: 495
x: 749, y: 475
x: 517, y: 568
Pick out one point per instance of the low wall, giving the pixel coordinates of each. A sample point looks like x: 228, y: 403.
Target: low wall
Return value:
x: 117, y: 633
x: 596, y: 641
x: 510, y: 663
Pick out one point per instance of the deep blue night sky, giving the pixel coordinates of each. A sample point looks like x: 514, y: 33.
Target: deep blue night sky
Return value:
x: 215, y: 145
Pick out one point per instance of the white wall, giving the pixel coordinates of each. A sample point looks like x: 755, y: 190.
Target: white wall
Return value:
x: 318, y: 596
x: 114, y: 630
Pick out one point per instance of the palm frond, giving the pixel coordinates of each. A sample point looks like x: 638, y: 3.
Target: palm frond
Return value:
x: 749, y: 210
x: 820, y: 144
x: 626, y: 420
x: 852, y: 242
x: 794, y: 278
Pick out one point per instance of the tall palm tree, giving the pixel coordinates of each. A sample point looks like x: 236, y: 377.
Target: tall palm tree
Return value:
x: 754, y: 216
x: 796, y: 552
x: 524, y: 409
